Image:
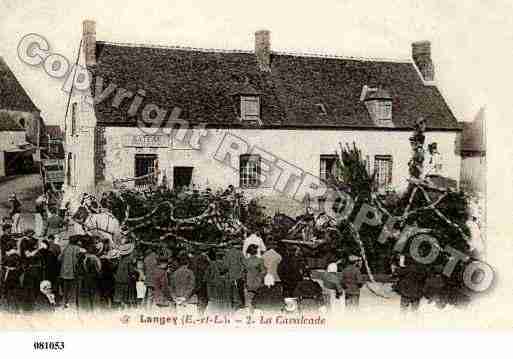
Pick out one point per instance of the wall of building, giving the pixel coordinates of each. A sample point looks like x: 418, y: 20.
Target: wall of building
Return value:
x: 11, y: 139
x: 32, y: 122
x: 473, y: 173
x: 299, y: 148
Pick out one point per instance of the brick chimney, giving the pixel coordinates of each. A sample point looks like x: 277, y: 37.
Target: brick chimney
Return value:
x: 421, y: 54
x: 89, y: 41
x: 263, y: 49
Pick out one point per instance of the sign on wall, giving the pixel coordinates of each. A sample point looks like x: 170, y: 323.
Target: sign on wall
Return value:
x: 146, y: 141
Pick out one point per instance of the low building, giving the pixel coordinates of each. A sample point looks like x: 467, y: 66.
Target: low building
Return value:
x: 262, y: 121
x: 473, y: 154
x: 54, y: 142
x: 20, y: 124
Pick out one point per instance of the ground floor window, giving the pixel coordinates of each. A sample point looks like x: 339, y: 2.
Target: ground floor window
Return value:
x: 144, y: 165
x: 249, y: 171
x: 383, y: 170
x: 182, y: 177
x: 328, y: 167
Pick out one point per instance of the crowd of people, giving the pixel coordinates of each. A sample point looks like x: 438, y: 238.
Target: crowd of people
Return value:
x: 84, y: 274
x: 42, y: 272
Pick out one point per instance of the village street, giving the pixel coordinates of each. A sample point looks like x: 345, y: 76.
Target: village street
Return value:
x: 27, y: 189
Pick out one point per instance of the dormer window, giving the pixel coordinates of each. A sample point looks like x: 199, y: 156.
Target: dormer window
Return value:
x: 384, y: 110
x: 246, y: 100
x: 378, y: 103
x: 250, y: 108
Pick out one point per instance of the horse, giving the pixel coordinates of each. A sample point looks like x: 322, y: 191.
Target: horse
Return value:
x: 90, y: 218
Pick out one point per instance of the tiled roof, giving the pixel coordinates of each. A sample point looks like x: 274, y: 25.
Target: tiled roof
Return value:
x: 202, y: 83
x: 12, y: 95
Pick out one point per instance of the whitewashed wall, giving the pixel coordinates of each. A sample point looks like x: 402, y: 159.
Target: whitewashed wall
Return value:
x: 11, y: 139
x: 301, y: 148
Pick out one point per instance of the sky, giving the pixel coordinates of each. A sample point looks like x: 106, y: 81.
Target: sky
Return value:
x: 463, y: 35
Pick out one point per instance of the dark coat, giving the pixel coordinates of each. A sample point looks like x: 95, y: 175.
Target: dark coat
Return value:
x: 199, y: 265
x: 290, y: 271
x: 411, y: 281
x: 219, y: 289
x: 309, y: 294
x: 11, y: 271
x: 269, y: 298
x: 51, y: 266
x: 42, y: 303
x: 160, y: 283
x: 150, y: 264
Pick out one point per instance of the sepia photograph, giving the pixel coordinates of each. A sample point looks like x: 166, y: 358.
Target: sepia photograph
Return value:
x: 260, y: 165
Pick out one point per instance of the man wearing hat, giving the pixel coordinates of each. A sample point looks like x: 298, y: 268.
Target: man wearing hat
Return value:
x: 433, y: 166
x: 69, y: 259
x: 15, y: 213
x: 352, y: 281
x: 160, y: 283
x: 124, y: 292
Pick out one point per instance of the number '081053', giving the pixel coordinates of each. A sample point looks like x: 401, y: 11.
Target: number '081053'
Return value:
x: 48, y: 345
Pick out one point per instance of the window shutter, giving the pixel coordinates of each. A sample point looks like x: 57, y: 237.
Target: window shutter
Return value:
x: 250, y: 108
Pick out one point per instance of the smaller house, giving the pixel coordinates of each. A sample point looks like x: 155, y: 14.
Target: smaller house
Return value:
x: 473, y: 155
x: 20, y: 125
x: 54, y: 142
x: 13, y: 142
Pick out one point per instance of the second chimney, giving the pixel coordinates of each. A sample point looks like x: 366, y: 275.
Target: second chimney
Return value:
x: 421, y: 54
x: 89, y: 41
x: 263, y: 49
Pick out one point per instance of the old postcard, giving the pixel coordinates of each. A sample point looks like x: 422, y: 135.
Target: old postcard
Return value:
x: 256, y: 165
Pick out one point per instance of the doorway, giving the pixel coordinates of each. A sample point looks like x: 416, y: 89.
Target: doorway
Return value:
x: 182, y: 177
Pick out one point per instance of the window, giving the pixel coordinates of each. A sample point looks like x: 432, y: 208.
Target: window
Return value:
x: 68, y: 169
x: 383, y: 170
x: 328, y: 167
x: 249, y: 171
x: 182, y: 177
x: 73, y: 119
x: 384, y: 110
x: 250, y: 108
x: 145, y: 164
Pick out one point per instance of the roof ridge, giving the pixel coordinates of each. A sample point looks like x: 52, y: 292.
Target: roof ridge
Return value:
x: 342, y: 57
x: 238, y: 51
x: 174, y: 47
